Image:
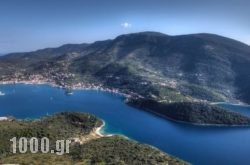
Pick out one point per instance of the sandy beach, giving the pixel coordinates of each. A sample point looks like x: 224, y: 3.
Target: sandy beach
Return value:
x: 98, y: 130
x: 94, y: 134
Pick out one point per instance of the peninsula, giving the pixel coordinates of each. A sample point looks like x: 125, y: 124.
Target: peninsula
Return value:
x: 193, y: 113
x: 88, y: 147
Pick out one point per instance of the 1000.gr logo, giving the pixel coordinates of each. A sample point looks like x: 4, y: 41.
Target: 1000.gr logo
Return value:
x: 62, y: 146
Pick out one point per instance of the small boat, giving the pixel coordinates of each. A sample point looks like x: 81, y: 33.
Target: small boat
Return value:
x: 2, y: 94
x: 68, y: 92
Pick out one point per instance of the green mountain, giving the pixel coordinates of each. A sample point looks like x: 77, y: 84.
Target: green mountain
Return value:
x: 148, y: 64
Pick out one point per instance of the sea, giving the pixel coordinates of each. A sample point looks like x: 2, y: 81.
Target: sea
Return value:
x: 201, y: 145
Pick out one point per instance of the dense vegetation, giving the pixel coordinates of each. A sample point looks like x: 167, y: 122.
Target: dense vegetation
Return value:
x: 60, y: 126
x: 105, y: 150
x: 117, y: 150
x: 196, y: 113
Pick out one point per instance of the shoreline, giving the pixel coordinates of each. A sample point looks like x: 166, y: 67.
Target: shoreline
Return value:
x: 116, y: 91
x: 235, y: 104
x: 73, y: 87
x: 193, y: 124
x: 98, y: 130
x: 94, y: 134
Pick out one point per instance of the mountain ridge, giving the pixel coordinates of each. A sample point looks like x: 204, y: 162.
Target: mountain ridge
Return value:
x: 143, y: 32
x: 191, y: 67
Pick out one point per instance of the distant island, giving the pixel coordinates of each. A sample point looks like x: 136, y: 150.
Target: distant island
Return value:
x: 192, y: 112
x: 88, y: 147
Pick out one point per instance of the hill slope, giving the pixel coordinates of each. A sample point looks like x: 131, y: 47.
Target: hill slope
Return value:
x: 66, y: 125
x: 195, y: 113
x: 153, y: 65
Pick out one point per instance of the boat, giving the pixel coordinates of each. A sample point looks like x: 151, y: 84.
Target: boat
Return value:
x: 2, y: 94
x: 68, y: 92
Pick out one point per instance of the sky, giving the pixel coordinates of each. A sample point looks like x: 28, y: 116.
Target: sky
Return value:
x: 27, y: 25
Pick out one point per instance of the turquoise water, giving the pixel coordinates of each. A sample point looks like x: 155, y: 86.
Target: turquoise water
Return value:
x: 196, y: 144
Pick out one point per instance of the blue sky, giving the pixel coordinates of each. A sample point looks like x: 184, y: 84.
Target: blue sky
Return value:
x: 27, y: 25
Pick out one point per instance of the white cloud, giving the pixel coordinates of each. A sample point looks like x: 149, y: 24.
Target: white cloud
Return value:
x: 126, y: 25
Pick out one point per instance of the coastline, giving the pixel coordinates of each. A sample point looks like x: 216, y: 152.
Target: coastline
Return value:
x: 194, y: 124
x: 94, y: 134
x: 235, y: 104
x: 98, y: 129
x: 78, y: 86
